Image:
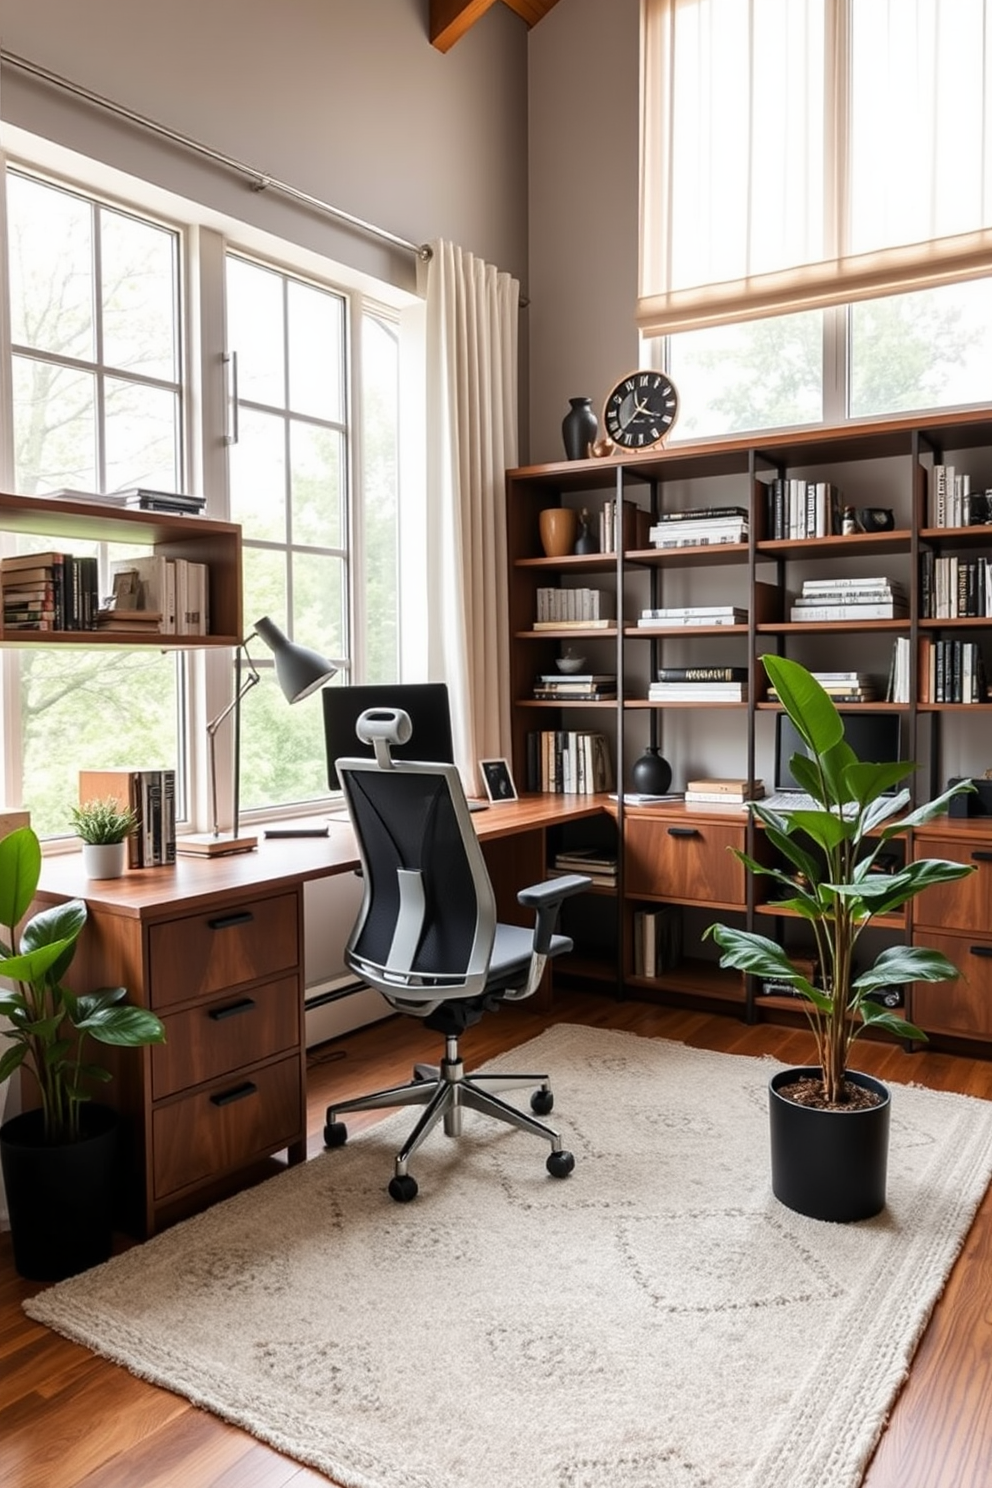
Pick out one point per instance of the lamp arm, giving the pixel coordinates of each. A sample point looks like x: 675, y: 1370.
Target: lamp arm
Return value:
x: 251, y: 680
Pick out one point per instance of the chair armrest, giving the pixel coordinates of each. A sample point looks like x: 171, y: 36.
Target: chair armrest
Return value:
x: 546, y: 899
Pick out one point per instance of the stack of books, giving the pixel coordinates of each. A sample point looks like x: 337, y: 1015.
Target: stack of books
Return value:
x: 950, y: 672
x: 568, y: 762
x: 829, y: 600
x: 952, y: 503
x: 597, y: 862
x: 717, y: 684
x: 801, y: 508
x: 576, y: 687
x: 719, y: 791
x: 954, y: 587
x: 699, y: 526
x: 843, y: 687
x: 685, y: 616
x: 657, y: 939
x: 139, y: 498
x: 636, y: 525
x: 49, y: 591
x: 124, y: 619
x: 176, y: 589
x: 587, y: 609
x: 151, y: 795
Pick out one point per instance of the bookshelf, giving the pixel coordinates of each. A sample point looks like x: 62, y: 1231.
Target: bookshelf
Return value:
x: 217, y: 544
x: 672, y: 852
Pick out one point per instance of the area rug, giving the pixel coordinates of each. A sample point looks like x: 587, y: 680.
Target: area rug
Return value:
x: 657, y: 1320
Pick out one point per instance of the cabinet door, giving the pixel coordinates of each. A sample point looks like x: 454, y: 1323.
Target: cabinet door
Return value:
x: 965, y: 904
x: 962, y: 1008
x: 687, y: 862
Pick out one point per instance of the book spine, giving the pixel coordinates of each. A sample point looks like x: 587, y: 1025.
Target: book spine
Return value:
x: 702, y: 674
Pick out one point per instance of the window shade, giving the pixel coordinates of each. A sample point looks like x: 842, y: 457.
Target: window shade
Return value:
x: 797, y: 154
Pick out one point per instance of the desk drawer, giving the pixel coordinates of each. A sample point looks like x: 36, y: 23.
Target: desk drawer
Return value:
x: 216, y: 1130
x: 687, y: 862
x: 207, y: 1042
x: 198, y: 955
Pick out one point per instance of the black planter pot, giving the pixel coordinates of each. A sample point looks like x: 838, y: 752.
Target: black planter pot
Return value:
x: 829, y: 1164
x: 61, y: 1198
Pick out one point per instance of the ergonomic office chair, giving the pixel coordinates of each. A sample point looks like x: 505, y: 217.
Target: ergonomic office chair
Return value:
x: 427, y: 938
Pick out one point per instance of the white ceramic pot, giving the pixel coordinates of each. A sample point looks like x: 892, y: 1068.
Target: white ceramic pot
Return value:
x: 104, y: 859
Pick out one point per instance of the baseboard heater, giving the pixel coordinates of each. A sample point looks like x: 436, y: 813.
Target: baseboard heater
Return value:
x: 338, y: 1006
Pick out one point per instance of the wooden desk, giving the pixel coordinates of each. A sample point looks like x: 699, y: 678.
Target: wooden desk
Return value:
x: 215, y: 947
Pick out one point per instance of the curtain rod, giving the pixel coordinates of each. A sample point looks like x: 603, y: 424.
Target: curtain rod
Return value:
x: 259, y: 180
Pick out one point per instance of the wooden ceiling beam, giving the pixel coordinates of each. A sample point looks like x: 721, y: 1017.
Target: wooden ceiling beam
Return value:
x: 450, y: 19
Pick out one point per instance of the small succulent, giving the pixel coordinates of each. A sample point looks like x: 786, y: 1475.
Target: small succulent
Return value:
x: 98, y: 822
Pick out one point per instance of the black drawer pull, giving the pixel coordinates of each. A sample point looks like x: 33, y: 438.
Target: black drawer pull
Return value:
x: 985, y: 950
x: 982, y: 857
x: 228, y: 1097
x: 232, y: 1010
x: 244, y: 917
x: 683, y: 832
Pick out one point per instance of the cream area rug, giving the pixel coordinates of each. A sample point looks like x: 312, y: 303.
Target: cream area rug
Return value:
x: 657, y: 1320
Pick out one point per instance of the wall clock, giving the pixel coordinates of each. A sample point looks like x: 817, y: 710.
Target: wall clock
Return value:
x: 641, y: 409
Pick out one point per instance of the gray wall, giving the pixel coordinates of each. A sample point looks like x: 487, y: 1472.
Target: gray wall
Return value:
x: 344, y: 99
x: 583, y: 90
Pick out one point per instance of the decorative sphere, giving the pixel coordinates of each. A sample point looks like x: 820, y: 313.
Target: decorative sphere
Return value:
x: 651, y: 775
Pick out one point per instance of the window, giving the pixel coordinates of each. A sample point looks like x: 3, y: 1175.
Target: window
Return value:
x: 816, y: 206
x: 96, y: 404
x: 97, y: 399
x: 292, y: 469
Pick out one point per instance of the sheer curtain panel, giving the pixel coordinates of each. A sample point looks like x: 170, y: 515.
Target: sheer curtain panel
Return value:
x: 797, y: 154
x: 472, y: 313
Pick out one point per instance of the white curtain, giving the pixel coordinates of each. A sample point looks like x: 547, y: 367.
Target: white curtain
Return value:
x: 797, y: 154
x: 472, y: 315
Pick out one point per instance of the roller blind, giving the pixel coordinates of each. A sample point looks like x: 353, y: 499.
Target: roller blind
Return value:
x: 797, y: 154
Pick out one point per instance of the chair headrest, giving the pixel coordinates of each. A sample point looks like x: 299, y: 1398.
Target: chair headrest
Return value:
x: 390, y: 725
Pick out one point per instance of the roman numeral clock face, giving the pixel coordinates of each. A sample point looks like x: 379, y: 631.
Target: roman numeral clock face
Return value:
x: 641, y: 410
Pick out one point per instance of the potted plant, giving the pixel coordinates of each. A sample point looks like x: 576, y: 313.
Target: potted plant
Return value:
x: 829, y: 1124
x: 58, y: 1158
x: 104, y: 827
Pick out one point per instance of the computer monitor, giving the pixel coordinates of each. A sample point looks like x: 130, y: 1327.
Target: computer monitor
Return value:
x: 873, y: 737
x: 425, y: 702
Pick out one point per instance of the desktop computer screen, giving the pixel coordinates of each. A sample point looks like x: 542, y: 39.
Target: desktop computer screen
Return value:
x: 425, y: 702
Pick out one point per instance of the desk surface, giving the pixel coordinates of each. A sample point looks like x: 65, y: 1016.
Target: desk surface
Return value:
x: 198, y: 881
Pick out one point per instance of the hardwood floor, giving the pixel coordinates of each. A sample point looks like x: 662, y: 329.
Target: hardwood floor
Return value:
x: 70, y: 1420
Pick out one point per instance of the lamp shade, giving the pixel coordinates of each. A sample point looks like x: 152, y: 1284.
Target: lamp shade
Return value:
x: 299, y: 671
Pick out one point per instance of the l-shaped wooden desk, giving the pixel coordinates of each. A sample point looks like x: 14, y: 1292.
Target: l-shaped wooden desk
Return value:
x: 215, y: 947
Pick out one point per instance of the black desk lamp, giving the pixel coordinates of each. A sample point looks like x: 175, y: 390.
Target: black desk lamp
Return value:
x: 299, y: 672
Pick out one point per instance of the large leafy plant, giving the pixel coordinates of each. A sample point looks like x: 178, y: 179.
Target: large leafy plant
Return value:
x: 831, y: 879
x: 50, y: 1024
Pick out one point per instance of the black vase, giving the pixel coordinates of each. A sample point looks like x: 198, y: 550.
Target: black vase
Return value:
x: 60, y: 1198
x: 828, y: 1164
x: 651, y: 775
x: 579, y: 428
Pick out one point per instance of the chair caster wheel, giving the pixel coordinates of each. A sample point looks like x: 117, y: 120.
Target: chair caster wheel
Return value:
x: 560, y: 1164
x: 403, y: 1189
x: 542, y: 1102
x: 335, y: 1134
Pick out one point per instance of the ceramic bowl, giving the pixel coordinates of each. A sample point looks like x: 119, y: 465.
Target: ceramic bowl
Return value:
x: 570, y: 663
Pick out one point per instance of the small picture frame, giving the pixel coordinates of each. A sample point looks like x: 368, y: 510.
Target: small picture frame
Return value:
x: 127, y: 590
x: 498, y: 781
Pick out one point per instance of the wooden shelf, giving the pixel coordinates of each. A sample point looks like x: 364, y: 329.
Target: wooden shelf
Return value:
x: 200, y: 539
